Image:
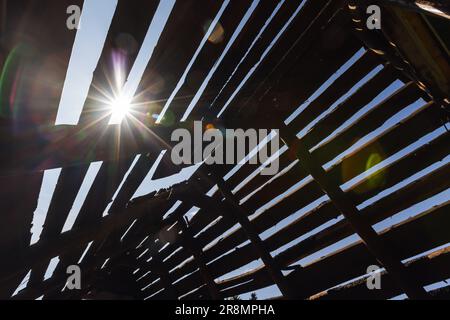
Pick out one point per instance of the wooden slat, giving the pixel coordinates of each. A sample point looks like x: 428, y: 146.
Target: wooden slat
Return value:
x: 351, y: 106
x: 373, y: 119
x: 18, y: 204
x: 131, y: 19
x: 286, y: 205
x: 434, y: 183
x: 344, y: 83
x: 385, y: 255
x: 177, y: 46
x: 26, y: 36
x: 67, y: 188
x: 39, y: 42
x: 100, y: 194
x: 428, y: 269
x: 63, y: 146
x: 240, y: 48
x: 288, y: 70
x: 409, y: 237
x: 79, y: 237
x: 397, y: 137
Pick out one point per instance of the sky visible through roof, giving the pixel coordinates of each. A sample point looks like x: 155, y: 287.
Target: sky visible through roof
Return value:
x: 95, y: 22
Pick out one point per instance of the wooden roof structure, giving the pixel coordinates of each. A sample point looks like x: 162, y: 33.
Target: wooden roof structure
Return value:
x: 145, y: 248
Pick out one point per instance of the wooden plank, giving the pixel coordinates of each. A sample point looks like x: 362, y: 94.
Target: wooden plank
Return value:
x: 428, y: 269
x: 239, y: 215
x: 240, y: 49
x: 39, y: 42
x: 409, y: 238
x: 402, y: 199
x: 79, y: 237
x: 63, y: 146
x: 176, y: 48
x: 18, y: 204
x: 67, y: 188
x: 267, y: 220
x: 372, y: 120
x: 201, y: 219
x: 361, y: 98
x: 100, y: 194
x: 344, y: 204
x: 404, y: 96
x: 207, y: 58
x: 125, y: 37
x: 439, y: 7
x: 343, y: 84
x: 26, y: 42
x: 190, y: 244
x: 305, y: 53
x: 375, y: 213
x: 394, y: 139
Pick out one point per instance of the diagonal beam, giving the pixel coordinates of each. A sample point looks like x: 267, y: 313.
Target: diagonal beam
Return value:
x: 364, y: 230
x: 439, y: 8
x: 238, y: 214
x: 190, y: 243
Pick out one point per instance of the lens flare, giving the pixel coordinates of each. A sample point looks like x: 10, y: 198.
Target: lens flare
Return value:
x: 120, y: 108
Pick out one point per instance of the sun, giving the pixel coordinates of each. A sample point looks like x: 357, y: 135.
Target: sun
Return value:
x: 120, y: 108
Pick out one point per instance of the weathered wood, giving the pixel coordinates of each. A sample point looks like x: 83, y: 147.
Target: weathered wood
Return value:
x: 125, y: 36
x: 67, y: 188
x: 378, y: 248
x: 77, y: 238
x: 340, y: 270
x: 240, y: 49
x: 440, y: 8
x: 191, y: 245
x: 17, y: 206
x: 239, y: 215
x: 428, y: 269
x: 63, y: 146
x: 343, y: 84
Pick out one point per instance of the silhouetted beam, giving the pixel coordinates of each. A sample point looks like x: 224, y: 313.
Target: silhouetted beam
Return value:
x: 100, y: 194
x: 191, y: 245
x: 165, y: 278
x: 79, y: 238
x: 428, y: 269
x: 35, y: 39
x: 132, y: 183
x: 341, y: 201
x: 434, y: 7
x: 125, y: 37
x: 62, y: 146
x: 239, y: 215
x: 410, y: 237
x: 68, y: 185
x: 18, y: 200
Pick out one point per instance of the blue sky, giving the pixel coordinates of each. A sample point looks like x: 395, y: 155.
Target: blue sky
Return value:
x: 95, y: 22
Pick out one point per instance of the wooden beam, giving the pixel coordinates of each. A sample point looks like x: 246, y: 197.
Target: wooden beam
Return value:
x: 79, y: 237
x: 341, y: 201
x: 439, y: 8
x: 428, y: 269
x: 63, y: 146
x: 238, y: 214
x: 190, y: 243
